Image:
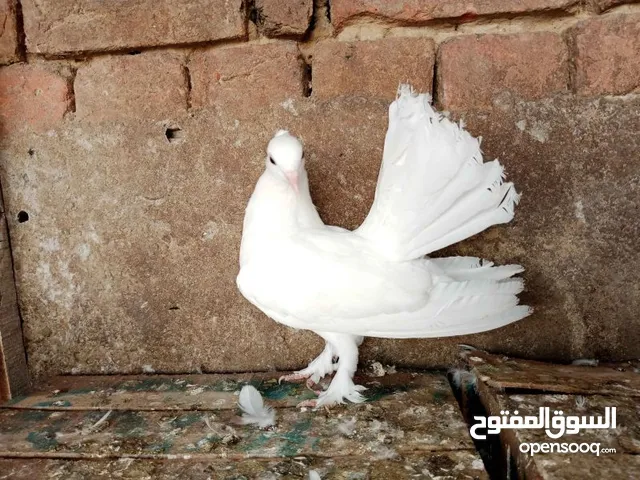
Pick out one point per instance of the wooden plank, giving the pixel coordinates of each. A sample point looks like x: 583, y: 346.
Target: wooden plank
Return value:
x: 419, y: 414
x: 69, y: 434
x: 625, y: 438
x: 563, y: 467
x: 14, y: 376
x: 200, y: 392
x: 509, y: 373
x: 455, y: 465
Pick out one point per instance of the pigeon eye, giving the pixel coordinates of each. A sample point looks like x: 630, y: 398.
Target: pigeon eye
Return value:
x: 272, y: 161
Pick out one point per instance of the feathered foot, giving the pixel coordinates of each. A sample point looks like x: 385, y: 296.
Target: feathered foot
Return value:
x: 341, y: 388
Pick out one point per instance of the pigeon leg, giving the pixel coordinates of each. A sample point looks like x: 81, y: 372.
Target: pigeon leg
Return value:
x: 317, y: 369
x: 342, y: 387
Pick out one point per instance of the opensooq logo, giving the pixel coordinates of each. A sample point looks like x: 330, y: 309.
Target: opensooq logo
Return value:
x: 555, y: 426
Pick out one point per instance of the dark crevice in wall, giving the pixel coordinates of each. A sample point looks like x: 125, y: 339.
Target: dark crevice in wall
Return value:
x: 313, y: 22
x: 307, y: 80
x: 71, y: 82
x: 435, y: 100
x: 140, y: 49
x: 21, y: 48
x: 328, y: 5
x: 453, y: 22
x: 187, y: 80
x: 572, y: 52
x: 174, y: 134
x: 320, y: 10
x: 254, y: 14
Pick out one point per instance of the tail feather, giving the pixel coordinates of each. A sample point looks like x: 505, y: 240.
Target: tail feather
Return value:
x: 502, y: 213
x: 485, y: 197
x: 473, y: 268
x: 490, y: 322
x: 487, y: 273
x: 452, y: 326
x: 467, y: 288
x: 433, y: 189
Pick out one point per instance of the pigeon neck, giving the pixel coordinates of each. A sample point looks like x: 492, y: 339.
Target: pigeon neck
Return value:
x: 270, y: 215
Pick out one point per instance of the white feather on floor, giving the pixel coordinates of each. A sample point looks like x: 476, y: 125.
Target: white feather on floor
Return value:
x: 253, y: 408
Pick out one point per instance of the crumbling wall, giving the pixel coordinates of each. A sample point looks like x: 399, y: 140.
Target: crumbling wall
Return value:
x: 133, y: 133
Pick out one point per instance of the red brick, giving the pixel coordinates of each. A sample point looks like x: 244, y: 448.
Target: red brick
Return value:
x: 476, y: 70
x: 246, y: 76
x: 31, y: 96
x: 8, y: 32
x: 283, y: 17
x: 372, y: 68
x: 67, y: 26
x: 151, y: 85
x: 419, y: 11
x: 608, y: 55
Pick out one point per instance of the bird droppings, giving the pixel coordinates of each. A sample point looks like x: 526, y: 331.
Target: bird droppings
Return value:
x: 84, y: 251
x: 348, y: 427
x: 210, y: 231
x: 50, y: 245
x: 539, y: 131
x: 289, y: 106
x: 580, y: 211
x: 56, y: 403
x: 586, y: 362
x: 581, y: 402
x: 382, y: 452
x: 376, y: 369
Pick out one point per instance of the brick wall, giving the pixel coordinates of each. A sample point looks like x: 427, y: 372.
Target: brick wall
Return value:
x: 133, y: 133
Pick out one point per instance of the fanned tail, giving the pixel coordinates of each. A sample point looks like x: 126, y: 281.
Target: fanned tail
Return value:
x: 433, y: 189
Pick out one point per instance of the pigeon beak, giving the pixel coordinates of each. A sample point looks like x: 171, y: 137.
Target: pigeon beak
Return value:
x: 293, y: 180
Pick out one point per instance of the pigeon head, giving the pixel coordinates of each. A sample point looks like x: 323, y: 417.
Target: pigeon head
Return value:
x: 284, y: 157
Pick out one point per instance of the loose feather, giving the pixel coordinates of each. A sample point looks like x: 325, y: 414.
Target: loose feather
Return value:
x: 254, y: 409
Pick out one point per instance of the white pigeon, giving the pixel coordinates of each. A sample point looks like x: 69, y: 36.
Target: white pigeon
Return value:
x: 376, y: 281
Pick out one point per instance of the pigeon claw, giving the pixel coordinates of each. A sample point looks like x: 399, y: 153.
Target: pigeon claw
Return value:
x: 293, y: 377
x: 312, y: 403
x: 311, y: 385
